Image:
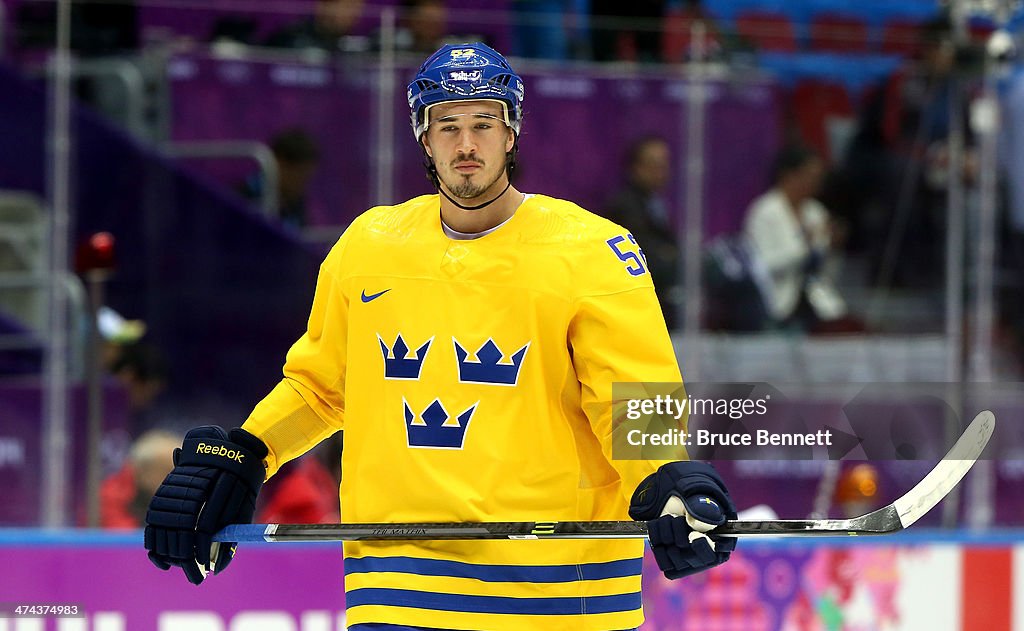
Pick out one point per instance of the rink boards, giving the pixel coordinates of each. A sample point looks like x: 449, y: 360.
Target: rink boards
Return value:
x: 934, y: 581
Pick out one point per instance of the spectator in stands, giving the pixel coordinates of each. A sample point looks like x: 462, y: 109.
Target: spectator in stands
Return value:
x: 791, y: 235
x: 305, y: 491
x: 897, y: 166
x: 637, y: 24
x: 297, y: 157
x: 142, y: 370
x: 124, y: 496
x: 117, y: 333
x: 328, y: 29
x: 138, y: 365
x: 542, y: 29
x: 640, y: 208
x: 424, y: 26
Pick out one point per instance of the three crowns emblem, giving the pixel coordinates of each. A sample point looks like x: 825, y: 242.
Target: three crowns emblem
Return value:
x: 435, y: 427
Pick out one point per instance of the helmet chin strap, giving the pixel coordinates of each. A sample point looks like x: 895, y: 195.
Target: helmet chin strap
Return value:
x: 479, y: 206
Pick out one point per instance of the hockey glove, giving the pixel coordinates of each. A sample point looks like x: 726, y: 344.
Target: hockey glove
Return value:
x: 681, y: 502
x: 215, y: 480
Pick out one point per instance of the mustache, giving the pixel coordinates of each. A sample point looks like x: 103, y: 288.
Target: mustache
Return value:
x: 462, y: 159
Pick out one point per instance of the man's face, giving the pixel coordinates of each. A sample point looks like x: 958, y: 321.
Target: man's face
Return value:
x: 293, y: 179
x: 810, y: 177
x: 149, y: 475
x: 939, y: 57
x: 338, y: 16
x: 468, y: 141
x: 650, y: 170
x: 429, y: 24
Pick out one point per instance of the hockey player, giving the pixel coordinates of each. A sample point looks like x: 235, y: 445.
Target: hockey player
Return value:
x: 466, y: 343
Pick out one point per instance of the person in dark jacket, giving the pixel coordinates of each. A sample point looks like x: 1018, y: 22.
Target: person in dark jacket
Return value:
x: 640, y: 208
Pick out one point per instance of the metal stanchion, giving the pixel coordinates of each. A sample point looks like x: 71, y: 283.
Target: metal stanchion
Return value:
x: 95, y: 262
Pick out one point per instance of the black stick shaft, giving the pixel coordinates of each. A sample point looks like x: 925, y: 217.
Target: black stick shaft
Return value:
x: 531, y: 530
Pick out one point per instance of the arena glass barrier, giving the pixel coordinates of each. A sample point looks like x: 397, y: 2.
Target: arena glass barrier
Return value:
x: 919, y: 582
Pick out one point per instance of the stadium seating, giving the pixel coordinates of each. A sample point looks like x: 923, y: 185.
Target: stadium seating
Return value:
x: 767, y: 30
x: 838, y: 32
x: 900, y: 37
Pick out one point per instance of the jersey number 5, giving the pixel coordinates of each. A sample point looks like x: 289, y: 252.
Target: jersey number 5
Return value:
x: 634, y: 263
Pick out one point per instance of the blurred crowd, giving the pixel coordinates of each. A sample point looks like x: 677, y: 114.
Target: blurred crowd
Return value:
x: 648, y: 30
x: 872, y: 189
x: 857, y: 194
x: 645, y: 31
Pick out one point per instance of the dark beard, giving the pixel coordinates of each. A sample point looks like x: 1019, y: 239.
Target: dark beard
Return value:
x: 467, y: 190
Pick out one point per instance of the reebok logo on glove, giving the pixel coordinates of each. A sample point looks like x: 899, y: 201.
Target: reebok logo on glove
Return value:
x: 220, y: 450
x: 220, y: 480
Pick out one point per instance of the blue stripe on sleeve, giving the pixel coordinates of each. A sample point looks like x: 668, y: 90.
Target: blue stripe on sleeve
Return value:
x: 493, y: 604
x: 496, y: 573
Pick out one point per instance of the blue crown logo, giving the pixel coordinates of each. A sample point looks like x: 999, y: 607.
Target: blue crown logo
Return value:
x: 486, y: 368
x: 398, y: 366
x: 435, y: 428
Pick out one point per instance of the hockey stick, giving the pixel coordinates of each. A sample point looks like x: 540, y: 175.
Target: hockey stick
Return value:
x: 892, y: 518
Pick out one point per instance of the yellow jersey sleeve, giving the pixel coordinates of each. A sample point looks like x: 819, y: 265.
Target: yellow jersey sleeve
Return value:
x: 618, y: 335
x: 308, y: 404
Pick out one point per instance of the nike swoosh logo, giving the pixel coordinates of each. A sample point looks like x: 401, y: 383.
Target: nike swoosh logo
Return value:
x: 372, y: 297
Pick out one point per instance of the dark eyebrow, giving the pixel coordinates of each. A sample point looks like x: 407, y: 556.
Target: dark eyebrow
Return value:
x: 451, y: 117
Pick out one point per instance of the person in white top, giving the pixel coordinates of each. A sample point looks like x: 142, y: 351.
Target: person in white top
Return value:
x: 791, y: 234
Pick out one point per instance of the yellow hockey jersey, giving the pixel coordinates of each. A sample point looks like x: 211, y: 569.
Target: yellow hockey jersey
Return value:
x: 473, y: 380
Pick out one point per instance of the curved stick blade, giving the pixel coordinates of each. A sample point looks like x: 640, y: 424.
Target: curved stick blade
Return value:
x: 948, y: 473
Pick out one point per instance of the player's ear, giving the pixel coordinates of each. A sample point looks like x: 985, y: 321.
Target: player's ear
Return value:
x: 426, y: 145
x: 510, y: 141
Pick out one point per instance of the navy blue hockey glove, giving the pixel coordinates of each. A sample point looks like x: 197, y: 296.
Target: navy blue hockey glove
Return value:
x: 214, y: 483
x: 681, y: 502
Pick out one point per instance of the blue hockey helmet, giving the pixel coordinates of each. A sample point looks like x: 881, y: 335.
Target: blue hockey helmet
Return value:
x: 465, y: 72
